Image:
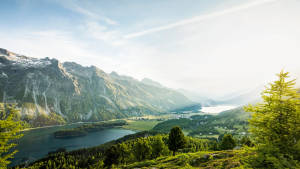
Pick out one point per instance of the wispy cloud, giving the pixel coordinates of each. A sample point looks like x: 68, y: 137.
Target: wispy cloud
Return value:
x: 102, y: 33
x: 93, y: 15
x: 199, y: 18
x: 72, y: 5
x: 206, y: 57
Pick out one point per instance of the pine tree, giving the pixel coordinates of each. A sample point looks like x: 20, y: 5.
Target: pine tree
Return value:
x: 124, y: 152
x: 227, y: 142
x: 158, y: 147
x: 142, y: 149
x: 112, y: 156
x: 275, y: 123
x: 176, y: 140
x: 9, y: 132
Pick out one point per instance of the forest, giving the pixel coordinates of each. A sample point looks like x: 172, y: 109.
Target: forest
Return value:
x: 272, y: 140
x: 234, y: 121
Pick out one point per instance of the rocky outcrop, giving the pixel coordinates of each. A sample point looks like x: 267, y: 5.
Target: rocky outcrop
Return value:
x: 71, y: 92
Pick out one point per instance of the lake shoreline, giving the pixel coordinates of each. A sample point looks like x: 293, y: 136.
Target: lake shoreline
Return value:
x: 213, y: 110
x: 38, y: 142
x: 59, y: 125
x: 84, y: 129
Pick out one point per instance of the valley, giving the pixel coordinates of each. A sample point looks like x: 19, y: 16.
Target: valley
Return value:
x: 76, y: 116
x: 37, y: 143
x: 216, y: 135
x: 74, y: 136
x: 136, y: 84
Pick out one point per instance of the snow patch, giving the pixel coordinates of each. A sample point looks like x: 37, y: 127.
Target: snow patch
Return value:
x: 27, y: 62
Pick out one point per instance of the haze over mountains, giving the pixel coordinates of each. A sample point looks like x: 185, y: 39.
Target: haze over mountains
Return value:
x: 50, y: 92
x: 237, y: 98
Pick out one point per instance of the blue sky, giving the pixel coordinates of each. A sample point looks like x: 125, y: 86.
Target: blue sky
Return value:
x: 212, y: 47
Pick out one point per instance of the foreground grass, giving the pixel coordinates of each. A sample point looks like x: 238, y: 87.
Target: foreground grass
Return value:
x: 141, y: 125
x: 203, y: 159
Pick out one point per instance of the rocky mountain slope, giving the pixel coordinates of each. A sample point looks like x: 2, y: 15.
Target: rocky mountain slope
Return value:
x: 50, y: 92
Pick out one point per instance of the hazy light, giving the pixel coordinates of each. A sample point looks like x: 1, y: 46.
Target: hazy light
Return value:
x: 216, y: 109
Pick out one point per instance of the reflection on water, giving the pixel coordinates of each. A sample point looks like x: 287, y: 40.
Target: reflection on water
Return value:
x: 37, y: 143
x: 216, y: 109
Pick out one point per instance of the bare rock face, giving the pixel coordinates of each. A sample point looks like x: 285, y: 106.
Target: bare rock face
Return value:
x: 47, y: 91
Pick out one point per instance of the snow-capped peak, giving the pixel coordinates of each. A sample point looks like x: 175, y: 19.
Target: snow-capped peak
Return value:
x: 22, y: 60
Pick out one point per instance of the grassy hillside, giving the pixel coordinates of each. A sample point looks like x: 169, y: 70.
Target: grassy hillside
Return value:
x: 141, y: 125
x: 203, y: 159
x: 233, y: 121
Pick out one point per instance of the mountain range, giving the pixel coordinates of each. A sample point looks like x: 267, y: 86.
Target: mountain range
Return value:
x: 51, y: 92
x: 237, y: 98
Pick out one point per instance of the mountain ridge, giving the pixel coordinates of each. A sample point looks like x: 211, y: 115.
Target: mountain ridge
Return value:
x: 46, y: 88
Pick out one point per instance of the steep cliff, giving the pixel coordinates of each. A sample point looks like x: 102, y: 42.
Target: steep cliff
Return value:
x: 49, y: 92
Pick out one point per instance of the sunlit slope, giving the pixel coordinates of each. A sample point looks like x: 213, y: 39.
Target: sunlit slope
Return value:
x: 78, y: 93
x: 234, y: 121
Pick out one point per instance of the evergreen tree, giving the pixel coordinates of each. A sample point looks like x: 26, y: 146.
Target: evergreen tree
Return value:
x: 176, y: 140
x: 275, y: 124
x: 142, y: 149
x: 158, y: 147
x: 9, y: 132
x: 220, y: 137
x: 214, y: 146
x: 227, y: 142
x: 112, y: 156
x: 124, y: 152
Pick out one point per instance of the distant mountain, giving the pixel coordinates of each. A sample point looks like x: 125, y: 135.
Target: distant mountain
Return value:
x: 50, y: 92
x: 242, y: 98
x: 236, y: 114
x: 250, y: 96
x: 151, y: 82
x: 194, y: 108
x: 196, y: 97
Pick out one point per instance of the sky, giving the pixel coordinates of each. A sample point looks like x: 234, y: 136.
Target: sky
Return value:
x: 210, y: 47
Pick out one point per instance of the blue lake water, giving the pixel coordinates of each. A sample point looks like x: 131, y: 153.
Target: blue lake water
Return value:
x: 36, y: 143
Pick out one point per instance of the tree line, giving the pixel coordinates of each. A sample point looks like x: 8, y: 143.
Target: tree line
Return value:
x: 273, y: 141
